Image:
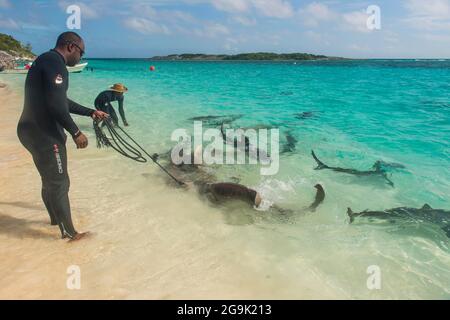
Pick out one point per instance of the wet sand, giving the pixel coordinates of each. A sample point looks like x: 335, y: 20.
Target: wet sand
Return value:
x: 150, y: 241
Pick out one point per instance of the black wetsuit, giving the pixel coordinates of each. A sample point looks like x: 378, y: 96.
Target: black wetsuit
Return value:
x: 41, y: 127
x: 103, y: 103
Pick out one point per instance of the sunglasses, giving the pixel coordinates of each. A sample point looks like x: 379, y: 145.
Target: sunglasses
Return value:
x: 81, y: 50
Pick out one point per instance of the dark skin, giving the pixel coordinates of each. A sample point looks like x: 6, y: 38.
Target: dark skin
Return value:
x: 72, y: 53
x: 125, y: 123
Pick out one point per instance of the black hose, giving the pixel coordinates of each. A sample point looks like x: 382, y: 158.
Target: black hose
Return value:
x: 119, y: 143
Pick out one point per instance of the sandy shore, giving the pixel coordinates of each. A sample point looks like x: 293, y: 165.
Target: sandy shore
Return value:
x: 158, y: 243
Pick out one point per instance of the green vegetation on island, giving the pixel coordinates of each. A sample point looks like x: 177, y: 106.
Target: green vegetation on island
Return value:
x: 12, y: 50
x: 13, y: 47
x: 258, y: 56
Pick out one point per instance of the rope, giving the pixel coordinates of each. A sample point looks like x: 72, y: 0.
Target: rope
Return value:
x: 123, y: 147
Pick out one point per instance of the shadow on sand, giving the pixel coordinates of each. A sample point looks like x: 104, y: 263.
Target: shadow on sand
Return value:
x: 21, y: 228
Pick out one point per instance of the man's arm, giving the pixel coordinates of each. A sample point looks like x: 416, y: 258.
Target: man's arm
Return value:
x: 78, y: 109
x: 121, y: 111
x: 55, y: 81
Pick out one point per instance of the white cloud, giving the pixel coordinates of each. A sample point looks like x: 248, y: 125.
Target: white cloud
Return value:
x: 390, y: 37
x: 359, y: 48
x: 5, y: 4
x: 270, y: 8
x: 149, y: 19
x: 435, y: 37
x: 429, y: 8
x: 428, y: 24
x: 313, y: 35
x: 8, y: 23
x: 87, y: 11
x: 231, y: 5
x: 244, y: 21
x: 212, y: 30
x: 217, y: 29
x: 274, y: 8
x: 316, y: 37
x: 231, y: 44
x: 179, y: 16
x: 315, y: 12
x: 146, y: 26
x: 356, y: 21
x: 173, y: 16
x: 430, y: 15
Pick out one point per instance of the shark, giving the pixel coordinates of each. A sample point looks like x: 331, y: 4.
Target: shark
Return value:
x: 290, y: 145
x: 377, y: 170
x: 215, y: 121
x: 437, y: 217
x: 219, y: 192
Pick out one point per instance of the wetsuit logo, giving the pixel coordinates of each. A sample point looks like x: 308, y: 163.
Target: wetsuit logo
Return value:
x: 58, y: 159
x: 59, y: 79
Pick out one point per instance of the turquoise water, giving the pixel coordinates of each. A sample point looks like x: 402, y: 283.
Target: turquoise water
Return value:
x: 396, y: 111
x: 364, y: 111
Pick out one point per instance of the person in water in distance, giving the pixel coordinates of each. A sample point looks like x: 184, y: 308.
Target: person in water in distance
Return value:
x: 104, y: 99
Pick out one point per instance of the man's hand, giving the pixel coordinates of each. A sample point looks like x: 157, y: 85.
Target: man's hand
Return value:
x: 125, y: 123
x: 99, y: 115
x: 81, y: 141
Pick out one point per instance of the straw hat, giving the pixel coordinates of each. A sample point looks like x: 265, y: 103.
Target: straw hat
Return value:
x: 118, y: 87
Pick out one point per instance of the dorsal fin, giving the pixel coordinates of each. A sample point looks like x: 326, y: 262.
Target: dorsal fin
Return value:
x: 426, y: 207
x: 320, y: 164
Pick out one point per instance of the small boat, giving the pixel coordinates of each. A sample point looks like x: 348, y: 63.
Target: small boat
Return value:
x: 75, y: 69
x: 78, y: 68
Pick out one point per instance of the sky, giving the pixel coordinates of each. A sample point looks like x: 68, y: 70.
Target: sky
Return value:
x: 145, y: 28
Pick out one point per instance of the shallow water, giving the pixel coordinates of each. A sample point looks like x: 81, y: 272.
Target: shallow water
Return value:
x: 364, y: 111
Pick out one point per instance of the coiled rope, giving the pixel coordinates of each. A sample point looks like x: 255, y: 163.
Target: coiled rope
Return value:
x: 119, y: 143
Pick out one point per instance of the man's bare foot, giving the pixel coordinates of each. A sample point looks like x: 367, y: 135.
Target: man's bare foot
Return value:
x: 80, y: 236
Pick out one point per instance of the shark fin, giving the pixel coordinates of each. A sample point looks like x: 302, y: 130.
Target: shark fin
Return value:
x: 447, y: 231
x: 426, y: 207
x: 320, y: 164
x: 351, y: 215
x: 377, y: 166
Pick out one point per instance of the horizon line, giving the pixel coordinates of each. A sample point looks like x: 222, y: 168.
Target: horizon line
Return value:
x: 341, y: 59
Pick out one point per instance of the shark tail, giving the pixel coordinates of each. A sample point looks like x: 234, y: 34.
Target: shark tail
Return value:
x: 320, y: 164
x: 388, y: 181
x: 319, y: 199
x: 351, y: 215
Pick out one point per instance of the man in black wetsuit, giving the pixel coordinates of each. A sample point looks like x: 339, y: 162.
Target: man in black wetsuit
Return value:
x: 41, y: 127
x: 104, y: 99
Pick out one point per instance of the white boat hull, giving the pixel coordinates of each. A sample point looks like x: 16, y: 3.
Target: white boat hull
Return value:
x: 76, y: 69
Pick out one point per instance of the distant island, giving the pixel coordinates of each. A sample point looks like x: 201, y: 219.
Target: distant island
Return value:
x: 12, y: 50
x: 258, y: 56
